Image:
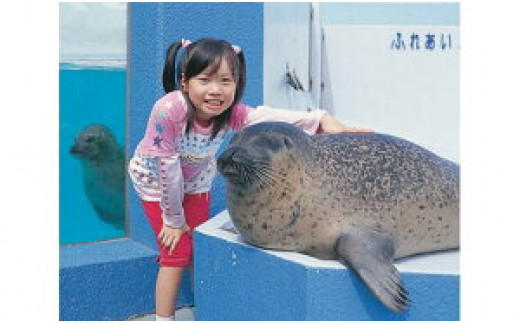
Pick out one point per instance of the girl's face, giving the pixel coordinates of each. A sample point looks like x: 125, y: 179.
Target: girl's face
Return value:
x: 211, y: 93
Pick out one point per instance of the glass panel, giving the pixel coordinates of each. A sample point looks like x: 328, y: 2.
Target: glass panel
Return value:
x: 92, y: 85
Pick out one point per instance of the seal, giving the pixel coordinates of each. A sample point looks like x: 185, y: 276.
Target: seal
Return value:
x: 364, y: 199
x: 103, y: 166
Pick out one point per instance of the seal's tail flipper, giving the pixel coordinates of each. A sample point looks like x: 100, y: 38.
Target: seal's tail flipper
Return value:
x: 370, y: 255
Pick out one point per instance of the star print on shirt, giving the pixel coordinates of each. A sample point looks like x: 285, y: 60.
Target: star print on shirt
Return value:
x: 157, y: 141
x: 161, y: 115
x: 168, y: 104
x: 159, y: 127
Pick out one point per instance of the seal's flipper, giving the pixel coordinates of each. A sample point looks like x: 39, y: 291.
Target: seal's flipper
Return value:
x: 370, y: 255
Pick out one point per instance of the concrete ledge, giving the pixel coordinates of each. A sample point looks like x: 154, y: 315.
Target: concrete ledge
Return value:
x: 236, y: 281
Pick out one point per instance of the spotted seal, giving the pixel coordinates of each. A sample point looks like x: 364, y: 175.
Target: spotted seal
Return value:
x: 103, y: 164
x: 365, y: 199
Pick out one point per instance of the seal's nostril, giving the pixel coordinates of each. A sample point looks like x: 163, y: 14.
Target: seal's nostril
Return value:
x: 228, y: 155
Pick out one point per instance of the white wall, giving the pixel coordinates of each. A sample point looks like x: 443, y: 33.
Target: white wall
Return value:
x: 286, y: 43
x: 412, y: 93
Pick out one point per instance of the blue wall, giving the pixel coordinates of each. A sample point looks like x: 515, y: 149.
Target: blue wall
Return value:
x: 240, y: 282
x: 112, y: 280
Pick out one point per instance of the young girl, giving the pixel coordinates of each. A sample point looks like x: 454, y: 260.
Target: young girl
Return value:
x: 174, y: 164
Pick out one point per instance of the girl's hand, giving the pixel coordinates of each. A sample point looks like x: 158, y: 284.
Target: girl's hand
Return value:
x: 169, y: 236
x: 330, y: 125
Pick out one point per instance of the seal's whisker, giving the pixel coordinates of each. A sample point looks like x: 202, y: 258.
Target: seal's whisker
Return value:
x: 259, y: 175
x: 246, y: 174
x: 259, y: 171
x: 266, y: 169
x: 267, y: 176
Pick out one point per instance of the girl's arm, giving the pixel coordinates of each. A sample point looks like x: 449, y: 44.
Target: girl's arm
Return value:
x: 160, y: 142
x: 307, y: 121
x: 171, y: 183
x: 317, y: 121
x: 329, y: 124
x: 160, y: 178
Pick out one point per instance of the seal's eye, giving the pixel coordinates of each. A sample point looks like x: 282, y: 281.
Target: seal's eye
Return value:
x: 287, y: 142
x: 268, y: 143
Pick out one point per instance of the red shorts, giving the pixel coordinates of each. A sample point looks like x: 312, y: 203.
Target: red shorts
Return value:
x: 196, y: 211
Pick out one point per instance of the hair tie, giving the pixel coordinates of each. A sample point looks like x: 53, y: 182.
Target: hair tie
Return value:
x: 237, y: 49
x: 185, y: 43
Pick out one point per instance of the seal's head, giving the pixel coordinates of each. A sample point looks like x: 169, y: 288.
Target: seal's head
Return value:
x: 92, y: 143
x: 256, y: 155
x: 264, y: 168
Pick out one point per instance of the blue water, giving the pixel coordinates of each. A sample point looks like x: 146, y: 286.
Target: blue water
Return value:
x: 87, y: 95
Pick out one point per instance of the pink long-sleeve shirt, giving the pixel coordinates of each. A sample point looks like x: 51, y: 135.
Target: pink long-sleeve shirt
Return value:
x: 168, y: 162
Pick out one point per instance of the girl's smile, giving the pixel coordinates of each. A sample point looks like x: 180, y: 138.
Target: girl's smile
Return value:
x: 211, y: 92
x: 213, y: 104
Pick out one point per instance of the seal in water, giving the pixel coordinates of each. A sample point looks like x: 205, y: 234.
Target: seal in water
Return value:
x: 103, y: 162
x: 365, y: 199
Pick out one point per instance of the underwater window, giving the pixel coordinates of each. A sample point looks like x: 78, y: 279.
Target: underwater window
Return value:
x: 92, y: 107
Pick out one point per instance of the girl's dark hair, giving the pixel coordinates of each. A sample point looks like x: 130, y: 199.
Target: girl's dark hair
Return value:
x: 198, y: 56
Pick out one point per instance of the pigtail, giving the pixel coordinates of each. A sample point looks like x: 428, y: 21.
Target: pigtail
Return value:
x: 241, y: 75
x: 169, y: 67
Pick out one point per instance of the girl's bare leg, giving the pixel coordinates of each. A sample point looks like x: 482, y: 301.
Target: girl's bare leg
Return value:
x: 166, y: 290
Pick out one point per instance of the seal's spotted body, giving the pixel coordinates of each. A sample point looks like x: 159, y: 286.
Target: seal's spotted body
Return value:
x: 401, y: 188
x: 365, y: 199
